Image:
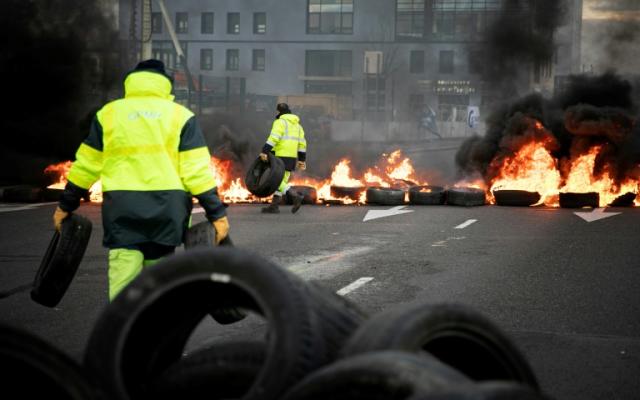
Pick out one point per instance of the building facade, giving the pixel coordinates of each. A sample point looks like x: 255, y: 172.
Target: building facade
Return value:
x: 381, y: 59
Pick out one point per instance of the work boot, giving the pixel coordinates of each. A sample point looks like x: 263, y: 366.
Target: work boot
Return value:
x: 273, y: 207
x: 297, y: 201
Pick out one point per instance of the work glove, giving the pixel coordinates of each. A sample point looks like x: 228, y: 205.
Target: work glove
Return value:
x: 302, y: 165
x: 264, y: 157
x: 221, y: 226
x: 58, y: 216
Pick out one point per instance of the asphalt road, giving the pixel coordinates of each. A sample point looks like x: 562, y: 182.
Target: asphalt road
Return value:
x: 567, y: 291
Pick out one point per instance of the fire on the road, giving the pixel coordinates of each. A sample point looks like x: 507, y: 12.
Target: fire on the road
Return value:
x: 393, y: 170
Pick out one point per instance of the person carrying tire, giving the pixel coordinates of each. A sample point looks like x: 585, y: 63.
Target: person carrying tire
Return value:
x: 151, y: 156
x: 287, y: 142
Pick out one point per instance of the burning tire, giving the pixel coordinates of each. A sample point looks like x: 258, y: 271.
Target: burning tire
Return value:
x: 263, y: 178
x: 224, y: 370
x: 385, y: 196
x: 22, y: 194
x: 61, y: 261
x: 516, y: 198
x: 310, y: 196
x: 33, y: 369
x: 389, y: 375
x: 352, y: 193
x: 454, y: 334
x: 625, y: 200
x: 427, y: 195
x: 465, y: 196
x: 579, y: 200
x: 127, y: 352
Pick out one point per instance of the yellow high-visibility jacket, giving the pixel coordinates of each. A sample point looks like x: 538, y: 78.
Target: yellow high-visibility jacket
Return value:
x: 151, y: 156
x: 287, y: 140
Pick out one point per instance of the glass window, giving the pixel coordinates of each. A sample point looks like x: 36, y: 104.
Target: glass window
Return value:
x: 446, y: 62
x: 476, y: 62
x: 328, y: 63
x: 416, y: 62
x: 330, y: 16
x: 207, y: 23
x: 206, y: 59
x: 156, y: 22
x: 410, y: 19
x: 258, y: 62
x: 233, y: 59
x: 233, y: 23
x: 182, y: 22
x: 259, y: 23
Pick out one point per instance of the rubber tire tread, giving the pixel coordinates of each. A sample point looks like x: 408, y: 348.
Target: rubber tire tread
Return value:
x: 203, y: 234
x: 61, y: 260
x: 579, y: 200
x: 34, y: 369
x: 263, y: 179
x: 516, y: 198
x: 385, y: 196
x: 466, y: 197
x: 221, y: 371
x: 437, y: 195
x: 384, y: 375
x: 348, y: 192
x: 422, y: 327
x: 127, y: 351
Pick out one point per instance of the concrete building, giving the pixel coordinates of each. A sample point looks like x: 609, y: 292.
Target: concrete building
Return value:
x: 382, y: 62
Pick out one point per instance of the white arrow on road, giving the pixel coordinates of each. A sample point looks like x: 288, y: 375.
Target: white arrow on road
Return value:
x: 596, y: 214
x: 375, y: 214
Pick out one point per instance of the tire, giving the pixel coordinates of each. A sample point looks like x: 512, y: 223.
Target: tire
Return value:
x: 22, y: 194
x: 427, y: 195
x: 61, y: 261
x: 516, y: 198
x: 465, y: 196
x: 309, y: 193
x: 385, y: 196
x: 33, y: 369
x: 349, y: 192
x: 452, y: 333
x: 263, y: 178
x: 203, y: 234
x: 51, y: 194
x: 384, y: 375
x: 579, y: 200
x: 127, y: 351
x: 222, y: 371
x: 624, y: 200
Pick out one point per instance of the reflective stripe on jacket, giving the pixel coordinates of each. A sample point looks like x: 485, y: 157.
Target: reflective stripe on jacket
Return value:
x: 151, y: 156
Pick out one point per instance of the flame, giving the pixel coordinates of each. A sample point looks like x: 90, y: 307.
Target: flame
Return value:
x: 581, y: 179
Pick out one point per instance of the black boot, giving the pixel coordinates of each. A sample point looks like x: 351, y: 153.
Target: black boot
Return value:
x: 273, y: 207
x: 297, y: 201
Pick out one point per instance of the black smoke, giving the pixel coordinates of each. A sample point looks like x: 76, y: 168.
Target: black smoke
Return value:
x: 520, y: 38
x: 59, y: 62
x: 591, y: 110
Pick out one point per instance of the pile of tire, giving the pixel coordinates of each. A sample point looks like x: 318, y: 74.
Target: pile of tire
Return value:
x: 135, y: 350
x: 424, y: 351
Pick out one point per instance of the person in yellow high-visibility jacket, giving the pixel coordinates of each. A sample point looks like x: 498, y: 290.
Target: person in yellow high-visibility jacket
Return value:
x: 287, y: 142
x: 151, y: 156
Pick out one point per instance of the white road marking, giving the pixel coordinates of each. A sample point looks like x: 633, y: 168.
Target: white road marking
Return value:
x: 466, y: 223
x: 354, y: 285
x: 197, y: 210
x: 443, y: 243
x: 596, y: 214
x: 375, y: 214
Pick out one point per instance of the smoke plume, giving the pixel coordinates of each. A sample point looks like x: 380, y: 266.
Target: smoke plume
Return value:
x: 59, y: 61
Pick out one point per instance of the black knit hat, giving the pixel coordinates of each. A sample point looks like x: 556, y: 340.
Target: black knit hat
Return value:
x: 152, y: 65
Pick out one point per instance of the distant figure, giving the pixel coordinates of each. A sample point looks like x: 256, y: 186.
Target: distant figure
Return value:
x: 428, y: 123
x: 151, y: 156
x: 287, y: 142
